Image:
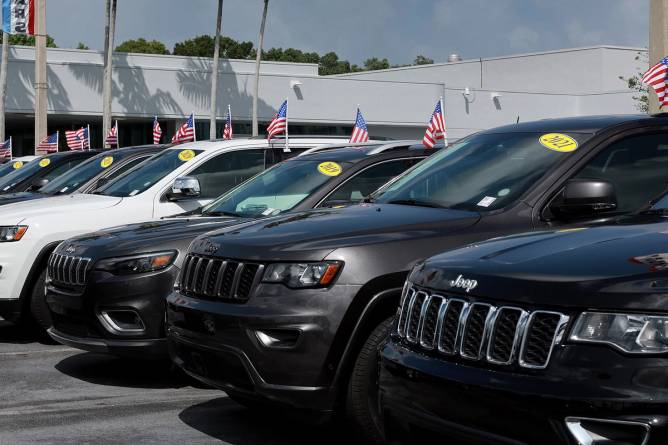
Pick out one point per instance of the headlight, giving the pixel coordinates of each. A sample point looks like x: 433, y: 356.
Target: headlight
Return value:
x: 12, y: 233
x: 149, y: 262
x: 633, y: 333
x: 302, y: 274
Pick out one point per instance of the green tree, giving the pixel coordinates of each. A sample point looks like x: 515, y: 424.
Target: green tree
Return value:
x: 24, y: 40
x: 82, y: 45
x: 330, y: 64
x: 142, y: 46
x: 231, y: 49
x: 200, y: 46
x: 422, y: 60
x: 375, y: 63
x: 635, y: 83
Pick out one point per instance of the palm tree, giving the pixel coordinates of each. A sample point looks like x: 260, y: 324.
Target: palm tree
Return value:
x: 109, y: 28
x: 214, y: 73
x: 258, y: 57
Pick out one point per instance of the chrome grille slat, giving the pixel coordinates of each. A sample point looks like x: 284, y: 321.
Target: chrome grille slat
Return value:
x: 68, y: 270
x: 472, y: 330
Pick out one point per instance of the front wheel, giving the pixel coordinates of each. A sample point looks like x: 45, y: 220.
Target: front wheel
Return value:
x: 38, y: 307
x: 362, y: 397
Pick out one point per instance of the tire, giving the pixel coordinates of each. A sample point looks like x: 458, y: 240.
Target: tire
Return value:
x: 38, y: 307
x: 362, y: 396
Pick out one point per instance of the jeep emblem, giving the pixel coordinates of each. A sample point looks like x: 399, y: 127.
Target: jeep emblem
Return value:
x: 70, y: 249
x: 464, y: 283
x: 211, y: 248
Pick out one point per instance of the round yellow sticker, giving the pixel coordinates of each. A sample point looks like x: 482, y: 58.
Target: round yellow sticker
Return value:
x: 106, y: 161
x: 17, y: 165
x: 186, y: 155
x: 559, y: 142
x: 44, y: 162
x: 330, y: 168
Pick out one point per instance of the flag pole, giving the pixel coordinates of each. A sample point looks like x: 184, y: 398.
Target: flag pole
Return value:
x: 11, y: 149
x: 57, y: 141
x: 445, y: 133
x: 194, y: 132
x: 229, y: 114
x: 286, y: 149
x: 88, y: 133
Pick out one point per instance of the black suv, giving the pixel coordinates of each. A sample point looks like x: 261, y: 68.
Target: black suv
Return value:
x: 557, y: 337
x: 315, y: 292
x: 38, y: 172
x: 88, y: 175
x: 120, y: 307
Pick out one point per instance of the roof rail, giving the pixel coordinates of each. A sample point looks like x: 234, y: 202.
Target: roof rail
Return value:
x: 381, y: 146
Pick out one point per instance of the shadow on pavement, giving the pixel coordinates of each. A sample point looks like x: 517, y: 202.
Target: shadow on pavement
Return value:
x: 228, y: 421
x: 22, y: 335
x: 108, y: 370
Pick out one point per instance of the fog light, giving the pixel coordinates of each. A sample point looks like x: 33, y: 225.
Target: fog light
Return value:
x: 588, y: 431
x: 122, y: 322
x: 278, y: 338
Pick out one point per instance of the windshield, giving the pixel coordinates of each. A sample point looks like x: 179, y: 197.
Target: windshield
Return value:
x: 11, y: 166
x: 20, y: 175
x: 79, y: 175
x: 275, y: 190
x: 482, y: 173
x: 140, y: 179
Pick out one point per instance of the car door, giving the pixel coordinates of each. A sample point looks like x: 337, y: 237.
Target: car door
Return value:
x: 216, y: 176
x: 636, y: 166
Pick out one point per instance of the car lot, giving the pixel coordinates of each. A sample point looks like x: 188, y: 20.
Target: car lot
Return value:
x: 55, y: 394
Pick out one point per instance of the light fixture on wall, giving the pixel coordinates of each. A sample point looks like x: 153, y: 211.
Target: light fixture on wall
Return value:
x: 496, y: 99
x: 295, y: 84
x: 469, y: 95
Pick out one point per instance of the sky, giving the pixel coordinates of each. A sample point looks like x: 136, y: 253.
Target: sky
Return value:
x: 358, y: 29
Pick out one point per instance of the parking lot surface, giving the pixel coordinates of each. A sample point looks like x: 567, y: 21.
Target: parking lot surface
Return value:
x: 55, y: 394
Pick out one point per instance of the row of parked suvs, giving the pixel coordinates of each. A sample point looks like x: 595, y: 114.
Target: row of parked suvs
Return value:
x: 316, y: 280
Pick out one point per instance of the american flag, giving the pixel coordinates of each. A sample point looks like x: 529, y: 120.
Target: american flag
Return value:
x: 436, y: 129
x: 157, y: 131
x: 360, y: 131
x: 227, y: 132
x: 280, y: 121
x: 657, y: 78
x: 6, y: 149
x: 77, y: 139
x: 186, y: 132
x: 112, y: 137
x: 49, y: 144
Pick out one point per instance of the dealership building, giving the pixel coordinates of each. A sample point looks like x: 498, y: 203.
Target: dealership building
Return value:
x: 477, y: 93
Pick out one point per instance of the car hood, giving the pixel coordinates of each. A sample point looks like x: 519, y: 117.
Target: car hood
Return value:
x: 18, y: 212
x: 19, y: 197
x: 624, y: 266
x: 167, y: 234
x: 313, y: 234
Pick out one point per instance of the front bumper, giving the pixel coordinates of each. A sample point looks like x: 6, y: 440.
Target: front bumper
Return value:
x: 222, y: 343
x: 79, y: 313
x: 424, y: 398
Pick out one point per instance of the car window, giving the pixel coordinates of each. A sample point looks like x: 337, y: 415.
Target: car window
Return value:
x: 227, y: 170
x: 62, y: 169
x: 368, y: 181
x: 637, y: 167
x: 127, y: 166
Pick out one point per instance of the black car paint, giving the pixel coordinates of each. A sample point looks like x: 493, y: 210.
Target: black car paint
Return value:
x: 127, y: 154
x: 57, y: 159
x: 571, y: 272
x: 146, y: 292
x: 378, y: 245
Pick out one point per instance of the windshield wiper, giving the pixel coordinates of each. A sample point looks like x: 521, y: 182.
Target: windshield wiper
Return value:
x: 220, y: 213
x: 417, y: 203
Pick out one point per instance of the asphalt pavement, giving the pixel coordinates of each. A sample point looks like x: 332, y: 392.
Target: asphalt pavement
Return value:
x: 52, y: 394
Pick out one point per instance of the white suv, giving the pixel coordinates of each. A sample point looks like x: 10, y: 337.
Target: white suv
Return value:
x: 177, y: 180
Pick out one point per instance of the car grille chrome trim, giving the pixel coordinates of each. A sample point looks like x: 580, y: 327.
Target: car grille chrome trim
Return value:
x: 68, y: 270
x: 501, y: 335
x: 215, y: 278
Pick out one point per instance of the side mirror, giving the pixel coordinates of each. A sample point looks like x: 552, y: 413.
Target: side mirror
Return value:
x: 585, y: 197
x: 185, y: 187
x: 38, y: 184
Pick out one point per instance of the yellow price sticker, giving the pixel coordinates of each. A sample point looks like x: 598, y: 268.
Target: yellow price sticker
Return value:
x: 106, y: 161
x: 17, y: 165
x: 44, y: 162
x: 330, y: 168
x: 186, y: 155
x: 558, y: 142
